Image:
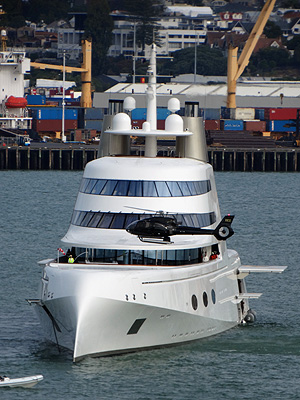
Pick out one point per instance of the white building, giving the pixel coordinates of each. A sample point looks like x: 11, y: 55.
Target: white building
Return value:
x: 180, y: 27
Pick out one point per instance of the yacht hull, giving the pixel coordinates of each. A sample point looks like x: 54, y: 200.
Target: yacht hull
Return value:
x: 104, y: 312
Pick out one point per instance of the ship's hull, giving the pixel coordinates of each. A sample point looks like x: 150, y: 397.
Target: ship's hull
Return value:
x: 101, y: 312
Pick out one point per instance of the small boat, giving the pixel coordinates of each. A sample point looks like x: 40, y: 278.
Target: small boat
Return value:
x: 25, y: 382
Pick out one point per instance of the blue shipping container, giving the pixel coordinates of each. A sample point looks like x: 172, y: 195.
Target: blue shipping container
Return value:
x: 93, y: 124
x: 279, y: 126
x: 93, y: 113
x: 141, y: 113
x: 260, y: 114
x: 225, y: 112
x: 35, y: 100
x: 54, y: 113
x: 211, y: 113
x: 233, y: 125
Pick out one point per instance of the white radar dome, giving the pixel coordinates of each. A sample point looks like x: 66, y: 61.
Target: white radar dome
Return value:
x: 173, y: 104
x: 146, y: 126
x: 121, y: 122
x: 129, y: 103
x: 174, y: 123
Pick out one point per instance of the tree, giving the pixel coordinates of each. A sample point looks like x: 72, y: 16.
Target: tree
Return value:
x: 272, y: 30
x: 145, y: 15
x: 45, y: 10
x: 209, y: 62
x: 13, y: 16
x: 195, y: 3
x: 99, y: 27
x: 265, y: 60
x: 290, y: 4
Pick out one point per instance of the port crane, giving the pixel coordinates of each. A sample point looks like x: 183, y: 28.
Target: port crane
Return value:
x: 235, y: 65
x: 85, y: 70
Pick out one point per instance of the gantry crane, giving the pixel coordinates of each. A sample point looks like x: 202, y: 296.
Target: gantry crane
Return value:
x: 86, y: 72
x: 235, y: 66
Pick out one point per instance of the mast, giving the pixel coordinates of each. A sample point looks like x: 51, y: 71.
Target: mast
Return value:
x: 151, y: 141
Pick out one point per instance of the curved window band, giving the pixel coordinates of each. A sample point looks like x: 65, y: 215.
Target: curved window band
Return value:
x: 142, y: 257
x: 114, y: 187
x: 92, y: 219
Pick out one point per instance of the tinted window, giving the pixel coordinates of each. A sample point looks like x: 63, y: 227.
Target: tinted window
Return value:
x: 121, y: 189
x: 122, y: 220
x: 118, y: 221
x: 205, y: 299
x: 143, y: 257
x: 106, y: 220
x: 90, y: 185
x: 95, y: 220
x: 99, y: 186
x: 184, y: 188
x: 109, y: 188
x: 174, y: 189
x: 143, y: 188
x: 149, y: 189
x: 162, y: 189
x: 192, y: 188
x: 135, y: 189
x: 85, y: 221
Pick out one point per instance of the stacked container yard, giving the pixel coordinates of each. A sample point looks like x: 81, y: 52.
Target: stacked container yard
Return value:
x: 139, y: 116
x: 49, y: 119
x: 93, y: 118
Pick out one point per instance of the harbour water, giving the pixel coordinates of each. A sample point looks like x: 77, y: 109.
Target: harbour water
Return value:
x: 258, y: 361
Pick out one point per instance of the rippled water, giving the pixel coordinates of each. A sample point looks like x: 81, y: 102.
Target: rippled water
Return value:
x: 259, y: 361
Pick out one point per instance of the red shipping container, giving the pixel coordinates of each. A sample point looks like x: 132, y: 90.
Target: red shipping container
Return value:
x: 281, y: 113
x: 255, y: 126
x: 54, y: 125
x: 212, y: 124
x: 82, y: 135
x: 138, y: 123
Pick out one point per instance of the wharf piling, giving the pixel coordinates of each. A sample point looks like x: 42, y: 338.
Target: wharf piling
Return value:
x: 15, y: 158
x: 244, y: 160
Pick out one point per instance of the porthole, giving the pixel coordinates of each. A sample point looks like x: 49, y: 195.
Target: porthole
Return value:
x: 213, y: 296
x: 194, y: 302
x: 205, y: 299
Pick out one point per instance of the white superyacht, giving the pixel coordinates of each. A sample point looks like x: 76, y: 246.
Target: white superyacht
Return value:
x: 151, y: 265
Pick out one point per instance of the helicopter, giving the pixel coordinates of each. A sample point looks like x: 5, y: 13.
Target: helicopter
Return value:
x: 160, y: 227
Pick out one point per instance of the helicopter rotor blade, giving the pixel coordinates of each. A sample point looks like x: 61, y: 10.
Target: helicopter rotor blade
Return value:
x: 161, y: 212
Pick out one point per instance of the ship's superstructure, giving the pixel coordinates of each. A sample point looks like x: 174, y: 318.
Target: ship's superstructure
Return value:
x: 148, y: 263
x: 13, y: 111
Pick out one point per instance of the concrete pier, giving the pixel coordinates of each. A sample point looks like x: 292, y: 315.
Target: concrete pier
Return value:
x: 45, y: 159
x: 245, y: 160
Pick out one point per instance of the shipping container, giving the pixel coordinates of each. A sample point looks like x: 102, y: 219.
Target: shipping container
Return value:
x: 54, y: 113
x: 84, y: 134
x: 212, y: 124
x: 35, y: 100
x: 280, y: 126
x: 255, y: 126
x: 225, y: 113
x: 53, y: 125
x: 93, y: 113
x: 242, y: 113
x: 260, y: 113
x: 280, y: 113
x: 93, y: 124
x: 141, y: 113
x: 211, y: 113
x: 232, y: 125
x: 138, y: 124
